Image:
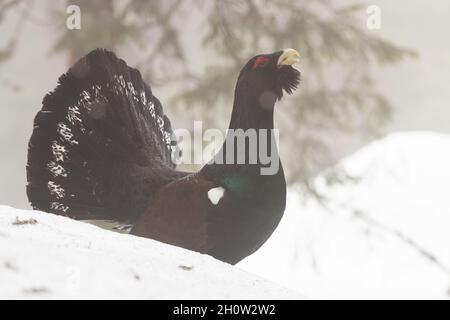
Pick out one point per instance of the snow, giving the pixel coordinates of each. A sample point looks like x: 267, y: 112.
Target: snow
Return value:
x: 215, y: 194
x: 44, y: 256
x: 375, y: 238
x: 384, y: 236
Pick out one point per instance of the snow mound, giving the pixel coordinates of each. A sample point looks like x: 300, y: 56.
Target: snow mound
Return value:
x: 384, y: 236
x: 46, y: 256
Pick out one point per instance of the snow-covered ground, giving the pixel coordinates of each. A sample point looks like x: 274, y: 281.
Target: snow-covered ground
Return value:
x: 45, y: 256
x: 386, y: 236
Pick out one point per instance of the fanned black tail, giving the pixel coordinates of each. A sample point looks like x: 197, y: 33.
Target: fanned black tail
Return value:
x: 101, y: 144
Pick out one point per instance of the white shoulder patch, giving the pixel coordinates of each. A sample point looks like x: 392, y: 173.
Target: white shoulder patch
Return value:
x: 215, y: 194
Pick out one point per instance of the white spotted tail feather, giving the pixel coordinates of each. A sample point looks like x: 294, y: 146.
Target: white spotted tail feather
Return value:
x: 101, y: 144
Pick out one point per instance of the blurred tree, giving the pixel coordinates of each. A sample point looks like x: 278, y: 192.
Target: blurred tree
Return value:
x: 336, y: 95
x: 5, y: 8
x: 7, y: 49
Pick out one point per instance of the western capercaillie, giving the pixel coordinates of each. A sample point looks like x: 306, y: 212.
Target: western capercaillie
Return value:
x: 102, y: 148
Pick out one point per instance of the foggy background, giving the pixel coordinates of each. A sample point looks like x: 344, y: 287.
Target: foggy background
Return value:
x: 416, y: 88
x: 400, y: 71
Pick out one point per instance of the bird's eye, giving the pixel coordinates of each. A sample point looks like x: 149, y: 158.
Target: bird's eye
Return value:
x: 260, y: 61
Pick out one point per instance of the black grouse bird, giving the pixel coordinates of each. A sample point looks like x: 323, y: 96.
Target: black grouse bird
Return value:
x: 102, y: 149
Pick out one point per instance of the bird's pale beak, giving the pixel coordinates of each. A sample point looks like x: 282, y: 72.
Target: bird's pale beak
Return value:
x: 288, y: 57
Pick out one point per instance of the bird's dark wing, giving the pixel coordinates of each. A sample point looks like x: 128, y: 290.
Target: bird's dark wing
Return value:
x: 178, y: 215
x: 200, y: 215
x: 101, y: 144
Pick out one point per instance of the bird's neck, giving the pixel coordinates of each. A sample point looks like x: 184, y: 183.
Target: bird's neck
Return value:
x: 255, y: 121
x: 251, y: 113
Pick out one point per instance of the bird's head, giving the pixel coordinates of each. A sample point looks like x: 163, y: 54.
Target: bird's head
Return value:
x: 266, y: 76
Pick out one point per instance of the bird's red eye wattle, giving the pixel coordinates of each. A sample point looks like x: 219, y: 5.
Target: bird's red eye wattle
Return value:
x: 260, y: 61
